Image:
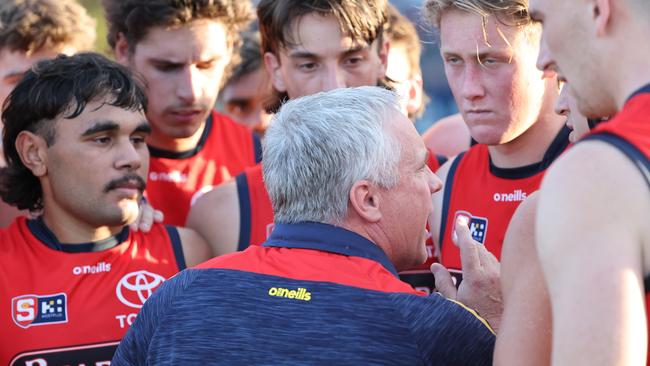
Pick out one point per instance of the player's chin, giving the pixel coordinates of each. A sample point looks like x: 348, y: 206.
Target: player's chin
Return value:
x: 489, y: 134
x: 186, y: 126
x: 184, y: 131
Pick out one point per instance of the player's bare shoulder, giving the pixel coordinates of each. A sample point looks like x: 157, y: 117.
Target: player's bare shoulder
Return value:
x: 215, y: 217
x: 580, y: 192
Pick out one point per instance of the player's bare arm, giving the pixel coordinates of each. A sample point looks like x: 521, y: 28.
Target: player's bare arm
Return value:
x: 525, y: 333
x: 590, y: 222
x: 195, y: 249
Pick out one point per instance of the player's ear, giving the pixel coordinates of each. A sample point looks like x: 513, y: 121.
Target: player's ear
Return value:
x: 601, y: 13
x: 121, y: 50
x: 272, y: 65
x: 382, y: 51
x: 415, y: 97
x: 32, y: 150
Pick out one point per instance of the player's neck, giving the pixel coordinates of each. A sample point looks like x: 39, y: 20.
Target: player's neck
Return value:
x: 633, y: 52
x: 70, y: 230
x: 161, y: 141
x: 635, y: 78
x: 530, y: 147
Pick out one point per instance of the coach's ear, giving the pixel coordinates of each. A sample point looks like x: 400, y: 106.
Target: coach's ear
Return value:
x: 601, y: 12
x: 32, y: 150
x: 365, y: 199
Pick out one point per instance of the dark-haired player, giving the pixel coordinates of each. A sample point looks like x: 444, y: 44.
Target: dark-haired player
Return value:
x: 33, y: 30
x: 183, y: 49
x: 73, y: 279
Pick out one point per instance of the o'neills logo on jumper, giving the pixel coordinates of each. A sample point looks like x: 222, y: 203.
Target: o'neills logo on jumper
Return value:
x: 299, y: 294
x: 173, y: 176
x: 516, y: 196
x: 97, y: 268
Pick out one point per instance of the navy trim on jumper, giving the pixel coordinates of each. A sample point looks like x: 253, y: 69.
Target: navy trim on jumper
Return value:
x: 559, y: 144
x: 244, y: 212
x: 257, y: 146
x: 642, y: 90
x: 46, y: 236
x: 441, y: 159
x: 630, y: 151
x: 446, y: 198
x: 166, y: 154
x: 175, y: 239
x: 327, y: 238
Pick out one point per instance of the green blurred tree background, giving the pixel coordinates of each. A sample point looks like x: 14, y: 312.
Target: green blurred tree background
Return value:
x: 96, y: 11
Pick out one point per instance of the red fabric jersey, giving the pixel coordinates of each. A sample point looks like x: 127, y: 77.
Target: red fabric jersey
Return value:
x: 489, y: 196
x: 255, y: 210
x: 176, y: 180
x: 73, y: 308
x: 632, y: 125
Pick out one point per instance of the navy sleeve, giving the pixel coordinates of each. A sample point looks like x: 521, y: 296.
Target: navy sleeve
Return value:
x: 441, y: 159
x: 134, y: 347
x: 446, y: 332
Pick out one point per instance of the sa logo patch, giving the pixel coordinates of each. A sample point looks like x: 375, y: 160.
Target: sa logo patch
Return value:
x: 32, y: 310
x: 477, y: 225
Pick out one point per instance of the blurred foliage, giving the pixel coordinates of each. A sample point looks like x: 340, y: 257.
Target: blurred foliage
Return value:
x: 96, y: 11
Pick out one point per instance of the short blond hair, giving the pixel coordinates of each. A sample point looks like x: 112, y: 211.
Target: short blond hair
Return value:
x: 36, y: 25
x: 509, y: 12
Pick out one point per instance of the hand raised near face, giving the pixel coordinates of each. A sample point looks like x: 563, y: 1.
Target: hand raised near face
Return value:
x: 480, y: 288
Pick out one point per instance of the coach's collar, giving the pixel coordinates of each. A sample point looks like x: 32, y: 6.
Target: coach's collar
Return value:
x: 327, y: 238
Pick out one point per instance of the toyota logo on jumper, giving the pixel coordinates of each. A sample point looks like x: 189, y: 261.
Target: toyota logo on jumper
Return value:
x: 136, y: 287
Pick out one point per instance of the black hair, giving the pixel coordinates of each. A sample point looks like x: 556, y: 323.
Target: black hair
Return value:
x: 58, y: 88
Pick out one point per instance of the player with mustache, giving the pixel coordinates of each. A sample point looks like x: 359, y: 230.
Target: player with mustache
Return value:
x: 75, y: 131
